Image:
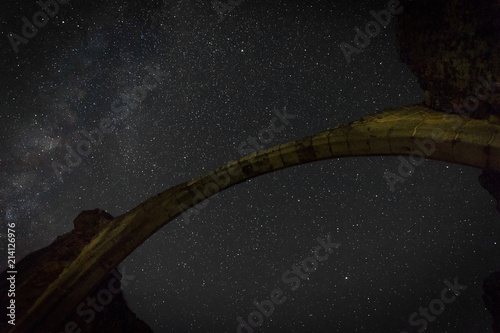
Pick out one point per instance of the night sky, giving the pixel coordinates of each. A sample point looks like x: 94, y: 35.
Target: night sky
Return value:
x: 216, y: 81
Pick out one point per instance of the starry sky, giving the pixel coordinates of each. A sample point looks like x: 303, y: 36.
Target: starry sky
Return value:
x: 222, y: 77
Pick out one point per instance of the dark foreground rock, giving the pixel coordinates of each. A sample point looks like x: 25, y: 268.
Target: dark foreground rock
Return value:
x: 108, y: 313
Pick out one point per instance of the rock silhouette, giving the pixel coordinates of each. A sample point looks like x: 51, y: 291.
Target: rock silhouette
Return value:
x: 452, y: 47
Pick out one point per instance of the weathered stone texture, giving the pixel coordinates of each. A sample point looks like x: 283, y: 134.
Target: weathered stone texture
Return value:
x: 450, y: 45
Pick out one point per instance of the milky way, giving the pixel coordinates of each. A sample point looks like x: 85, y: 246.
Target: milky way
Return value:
x: 222, y: 80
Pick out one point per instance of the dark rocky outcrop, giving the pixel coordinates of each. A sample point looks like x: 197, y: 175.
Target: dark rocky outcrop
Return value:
x: 491, y: 298
x: 450, y: 45
x: 491, y: 285
x: 453, y: 47
x: 490, y: 180
x: 40, y: 268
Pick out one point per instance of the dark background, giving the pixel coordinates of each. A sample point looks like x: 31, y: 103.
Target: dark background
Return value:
x: 225, y: 78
